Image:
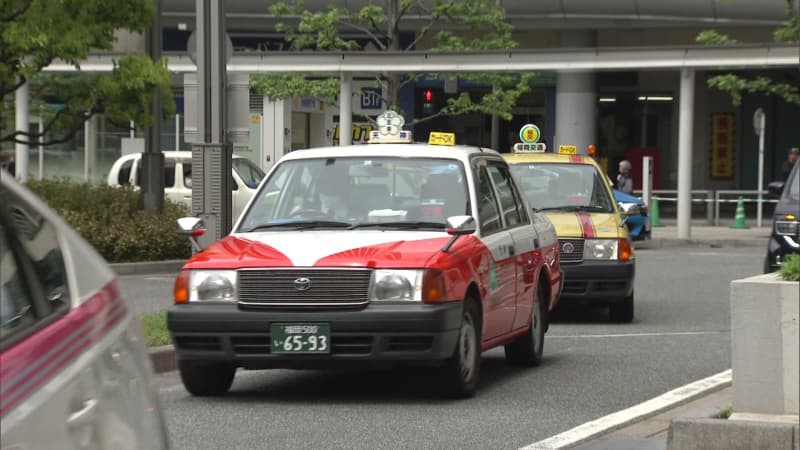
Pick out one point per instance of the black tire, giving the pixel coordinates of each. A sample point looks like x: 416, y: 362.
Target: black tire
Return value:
x: 205, y: 379
x: 527, y: 350
x: 461, y: 371
x: 622, y: 312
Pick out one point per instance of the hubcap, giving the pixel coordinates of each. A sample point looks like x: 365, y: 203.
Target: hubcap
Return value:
x: 467, y: 348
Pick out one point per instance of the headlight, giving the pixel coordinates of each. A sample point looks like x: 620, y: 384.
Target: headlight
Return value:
x: 600, y: 249
x: 786, y: 228
x: 397, y: 285
x: 212, y: 285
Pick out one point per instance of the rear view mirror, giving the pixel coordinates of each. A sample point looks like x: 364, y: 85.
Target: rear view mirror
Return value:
x: 775, y: 188
x: 193, y: 227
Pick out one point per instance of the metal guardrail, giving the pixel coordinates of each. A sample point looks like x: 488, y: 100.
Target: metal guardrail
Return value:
x: 712, y: 199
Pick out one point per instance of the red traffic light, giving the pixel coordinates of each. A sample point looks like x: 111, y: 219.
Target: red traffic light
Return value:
x: 428, y: 95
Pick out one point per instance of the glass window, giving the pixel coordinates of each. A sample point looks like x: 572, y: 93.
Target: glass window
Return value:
x: 508, y: 202
x: 488, y: 212
x: 250, y: 174
x: 124, y: 175
x: 566, y: 187
x: 187, y: 174
x: 361, y: 190
x: 16, y: 304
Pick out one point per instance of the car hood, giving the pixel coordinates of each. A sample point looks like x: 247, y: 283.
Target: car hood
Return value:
x: 787, y: 206
x: 620, y: 196
x: 321, y: 248
x: 585, y: 225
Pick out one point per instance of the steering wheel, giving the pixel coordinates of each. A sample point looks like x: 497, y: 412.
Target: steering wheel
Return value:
x: 308, y: 213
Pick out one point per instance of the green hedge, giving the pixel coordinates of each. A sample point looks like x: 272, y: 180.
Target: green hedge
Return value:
x: 111, y: 220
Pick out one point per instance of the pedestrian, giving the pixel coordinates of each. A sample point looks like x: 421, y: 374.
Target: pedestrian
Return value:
x: 791, y: 158
x: 624, y: 178
x: 7, y: 163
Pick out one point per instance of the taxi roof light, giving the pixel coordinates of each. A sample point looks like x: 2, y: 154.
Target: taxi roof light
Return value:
x: 390, y: 130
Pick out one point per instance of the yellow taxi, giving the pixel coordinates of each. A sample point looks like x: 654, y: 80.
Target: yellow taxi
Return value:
x: 595, y: 248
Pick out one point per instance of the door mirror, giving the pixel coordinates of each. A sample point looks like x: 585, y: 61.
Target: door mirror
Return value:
x: 775, y: 188
x: 459, y: 225
x: 193, y: 227
x: 629, y: 209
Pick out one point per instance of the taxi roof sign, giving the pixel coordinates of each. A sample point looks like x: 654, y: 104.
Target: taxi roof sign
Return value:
x: 538, y: 147
x: 529, y: 134
x: 440, y: 138
x: 390, y: 129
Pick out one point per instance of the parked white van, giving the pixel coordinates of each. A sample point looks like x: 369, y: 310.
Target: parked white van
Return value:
x: 126, y: 171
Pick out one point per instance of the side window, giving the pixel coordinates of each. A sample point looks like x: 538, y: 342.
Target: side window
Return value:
x: 488, y: 212
x: 509, y: 202
x: 124, y: 175
x: 16, y: 303
x: 39, y: 240
x: 187, y: 174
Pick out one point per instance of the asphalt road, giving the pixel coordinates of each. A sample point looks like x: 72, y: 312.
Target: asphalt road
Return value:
x: 591, y: 368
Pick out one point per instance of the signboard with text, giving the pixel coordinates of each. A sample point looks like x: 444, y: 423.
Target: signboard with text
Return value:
x: 723, y: 134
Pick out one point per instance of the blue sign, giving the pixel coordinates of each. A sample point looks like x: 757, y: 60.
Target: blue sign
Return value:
x: 371, y: 98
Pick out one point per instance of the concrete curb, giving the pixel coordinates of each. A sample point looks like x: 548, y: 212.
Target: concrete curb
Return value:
x: 149, y: 267
x: 656, y: 243
x: 163, y: 358
x: 722, y: 434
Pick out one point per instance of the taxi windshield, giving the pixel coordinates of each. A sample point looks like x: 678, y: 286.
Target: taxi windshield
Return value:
x: 358, y: 191
x: 558, y: 186
x: 250, y: 174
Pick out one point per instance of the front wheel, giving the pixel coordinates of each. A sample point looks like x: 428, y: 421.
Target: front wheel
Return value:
x: 623, y: 311
x: 204, y: 379
x: 461, y: 370
x: 527, y: 350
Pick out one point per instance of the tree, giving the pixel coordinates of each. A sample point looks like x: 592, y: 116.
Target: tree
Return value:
x: 736, y: 85
x: 450, y: 25
x: 36, y: 33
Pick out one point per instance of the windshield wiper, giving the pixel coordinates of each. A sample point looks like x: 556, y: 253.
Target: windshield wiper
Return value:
x: 575, y: 208
x: 400, y: 224
x: 302, y: 225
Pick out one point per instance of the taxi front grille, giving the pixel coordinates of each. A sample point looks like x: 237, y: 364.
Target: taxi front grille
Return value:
x: 571, y: 250
x: 302, y: 288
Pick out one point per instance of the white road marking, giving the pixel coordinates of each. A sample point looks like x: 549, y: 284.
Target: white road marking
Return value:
x: 616, y: 420
x: 598, y: 336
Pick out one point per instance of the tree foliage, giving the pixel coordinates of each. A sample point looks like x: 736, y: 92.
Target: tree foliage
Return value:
x: 448, y: 25
x: 37, y: 33
x: 737, y: 85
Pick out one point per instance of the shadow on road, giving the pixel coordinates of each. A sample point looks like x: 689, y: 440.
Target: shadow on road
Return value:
x: 580, y: 314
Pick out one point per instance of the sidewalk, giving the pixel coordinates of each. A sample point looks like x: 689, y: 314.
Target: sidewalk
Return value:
x: 703, y: 235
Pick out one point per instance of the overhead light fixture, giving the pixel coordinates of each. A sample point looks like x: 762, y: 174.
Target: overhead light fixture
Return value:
x: 607, y: 99
x: 655, y: 99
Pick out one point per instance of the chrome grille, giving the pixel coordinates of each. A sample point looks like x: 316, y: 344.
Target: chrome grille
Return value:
x: 577, y: 253
x: 304, y: 287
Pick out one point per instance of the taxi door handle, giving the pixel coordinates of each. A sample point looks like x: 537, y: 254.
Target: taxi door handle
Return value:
x: 85, y: 415
x: 510, y: 250
x: 535, y: 243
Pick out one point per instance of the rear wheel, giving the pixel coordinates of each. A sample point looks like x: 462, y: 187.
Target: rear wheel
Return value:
x: 622, y: 311
x: 527, y: 349
x: 461, y: 370
x: 203, y: 379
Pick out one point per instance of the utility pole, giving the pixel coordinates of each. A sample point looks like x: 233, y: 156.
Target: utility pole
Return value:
x: 153, y: 159
x: 211, y: 160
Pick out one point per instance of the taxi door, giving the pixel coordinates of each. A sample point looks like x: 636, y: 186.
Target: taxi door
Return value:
x: 499, y: 271
x: 524, y: 240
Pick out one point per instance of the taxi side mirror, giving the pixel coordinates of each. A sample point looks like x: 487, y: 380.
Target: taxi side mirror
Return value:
x: 775, y: 188
x: 193, y: 227
x: 629, y: 209
x: 458, y: 226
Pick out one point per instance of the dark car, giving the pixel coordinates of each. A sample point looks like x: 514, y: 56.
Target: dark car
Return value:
x: 785, y: 238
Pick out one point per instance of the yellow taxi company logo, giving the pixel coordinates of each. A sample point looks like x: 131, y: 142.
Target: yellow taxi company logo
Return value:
x: 439, y: 138
x: 567, y: 149
x: 255, y: 118
x: 360, y: 133
x: 529, y: 134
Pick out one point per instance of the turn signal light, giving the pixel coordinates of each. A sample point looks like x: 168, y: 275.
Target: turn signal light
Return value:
x: 625, y: 250
x: 180, y: 290
x: 789, y: 217
x: 433, y: 286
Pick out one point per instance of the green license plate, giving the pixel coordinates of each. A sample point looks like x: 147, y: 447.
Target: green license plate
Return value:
x: 301, y: 337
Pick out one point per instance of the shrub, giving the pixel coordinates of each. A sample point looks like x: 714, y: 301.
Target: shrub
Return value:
x: 790, y: 269
x: 112, y: 221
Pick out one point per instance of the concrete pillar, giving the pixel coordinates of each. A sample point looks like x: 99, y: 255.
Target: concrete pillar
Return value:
x: 22, y: 119
x: 238, y: 108
x: 346, y: 110
x: 90, y: 149
x: 576, y: 121
x: 496, y: 133
x: 685, y: 135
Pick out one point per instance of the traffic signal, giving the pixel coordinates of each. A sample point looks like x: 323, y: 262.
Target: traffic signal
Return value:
x: 427, y: 100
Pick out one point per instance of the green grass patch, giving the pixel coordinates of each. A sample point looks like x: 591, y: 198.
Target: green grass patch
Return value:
x: 155, y: 328
x: 790, y: 270
x: 724, y: 413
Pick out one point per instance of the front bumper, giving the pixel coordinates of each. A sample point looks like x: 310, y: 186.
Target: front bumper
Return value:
x: 371, y: 336
x: 598, y: 281
x: 777, y: 250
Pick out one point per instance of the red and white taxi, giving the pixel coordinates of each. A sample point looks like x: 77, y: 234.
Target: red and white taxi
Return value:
x: 74, y: 369
x: 368, y: 255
